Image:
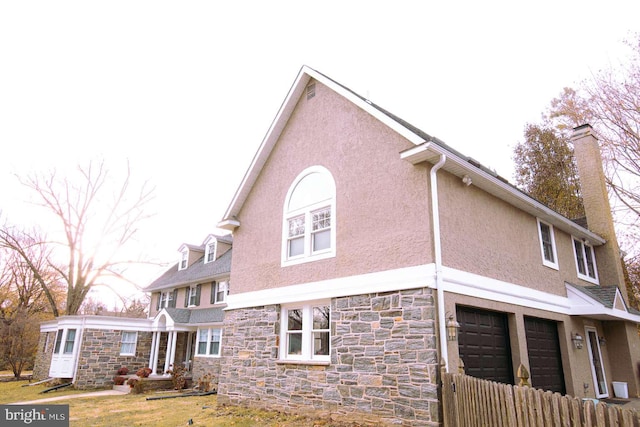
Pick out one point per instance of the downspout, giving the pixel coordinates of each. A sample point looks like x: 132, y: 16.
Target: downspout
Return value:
x: 437, y: 249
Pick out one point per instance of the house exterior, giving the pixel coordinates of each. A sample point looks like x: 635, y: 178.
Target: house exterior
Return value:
x: 358, y: 238
x: 184, y: 326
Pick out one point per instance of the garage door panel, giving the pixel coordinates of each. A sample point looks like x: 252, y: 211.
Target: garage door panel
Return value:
x: 543, y: 348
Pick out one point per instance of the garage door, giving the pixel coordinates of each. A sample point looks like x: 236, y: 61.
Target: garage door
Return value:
x: 483, y: 342
x: 543, y: 348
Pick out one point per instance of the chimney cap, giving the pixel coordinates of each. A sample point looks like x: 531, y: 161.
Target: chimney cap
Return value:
x: 582, y: 130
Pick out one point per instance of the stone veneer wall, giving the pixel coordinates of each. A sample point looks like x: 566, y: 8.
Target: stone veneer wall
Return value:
x: 100, y: 357
x: 43, y: 356
x: 383, y: 370
x: 206, y: 365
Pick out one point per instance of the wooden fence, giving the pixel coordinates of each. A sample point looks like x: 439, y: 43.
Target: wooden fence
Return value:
x: 469, y: 402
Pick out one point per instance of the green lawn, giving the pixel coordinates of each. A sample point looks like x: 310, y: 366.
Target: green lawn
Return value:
x: 134, y: 410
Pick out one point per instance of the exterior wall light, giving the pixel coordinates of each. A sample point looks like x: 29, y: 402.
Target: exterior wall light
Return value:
x: 452, y: 329
x: 577, y: 340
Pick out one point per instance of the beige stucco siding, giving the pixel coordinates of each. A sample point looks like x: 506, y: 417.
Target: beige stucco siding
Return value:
x: 486, y: 236
x: 382, y: 215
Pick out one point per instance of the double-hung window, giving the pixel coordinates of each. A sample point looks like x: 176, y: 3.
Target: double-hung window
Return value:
x: 309, y: 228
x: 128, y: 345
x: 585, y: 261
x: 306, y: 332
x: 219, y: 292
x: 168, y: 298
x: 547, y: 244
x: 210, y: 252
x: 209, y: 342
x: 184, y: 259
x: 192, y: 296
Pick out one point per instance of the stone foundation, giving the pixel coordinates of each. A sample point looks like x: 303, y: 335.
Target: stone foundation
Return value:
x: 42, y: 362
x: 206, y: 365
x: 383, y: 366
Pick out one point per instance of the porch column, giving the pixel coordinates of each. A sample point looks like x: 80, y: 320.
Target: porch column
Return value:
x: 152, y: 353
x: 155, y: 351
x: 174, y: 342
x: 170, y: 345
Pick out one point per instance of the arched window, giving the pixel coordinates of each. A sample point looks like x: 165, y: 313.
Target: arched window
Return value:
x: 309, y: 229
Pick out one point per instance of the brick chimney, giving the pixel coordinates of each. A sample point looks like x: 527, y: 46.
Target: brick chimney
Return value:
x: 596, y: 206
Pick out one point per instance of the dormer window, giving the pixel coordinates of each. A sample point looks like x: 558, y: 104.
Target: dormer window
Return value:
x: 308, y: 229
x: 585, y: 261
x: 210, y: 251
x: 184, y: 258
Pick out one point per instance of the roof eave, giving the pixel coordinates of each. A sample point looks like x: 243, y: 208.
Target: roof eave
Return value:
x: 431, y: 152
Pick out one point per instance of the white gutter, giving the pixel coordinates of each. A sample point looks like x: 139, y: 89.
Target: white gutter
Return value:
x: 437, y: 249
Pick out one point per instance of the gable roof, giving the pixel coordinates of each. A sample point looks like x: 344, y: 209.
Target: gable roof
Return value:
x: 427, y: 148
x: 599, y: 302
x: 197, y: 272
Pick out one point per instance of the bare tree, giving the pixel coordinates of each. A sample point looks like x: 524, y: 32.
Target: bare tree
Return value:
x: 96, y: 224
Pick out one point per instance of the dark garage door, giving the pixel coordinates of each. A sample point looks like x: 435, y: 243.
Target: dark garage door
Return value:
x: 543, y: 348
x: 483, y: 343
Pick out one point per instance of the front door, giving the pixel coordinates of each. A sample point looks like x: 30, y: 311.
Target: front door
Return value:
x: 597, y: 369
x: 63, y: 358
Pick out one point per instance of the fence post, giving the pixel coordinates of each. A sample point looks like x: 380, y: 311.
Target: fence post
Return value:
x: 460, y: 367
x: 523, y: 375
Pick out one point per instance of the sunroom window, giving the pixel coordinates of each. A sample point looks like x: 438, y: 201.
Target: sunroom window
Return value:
x: 309, y: 230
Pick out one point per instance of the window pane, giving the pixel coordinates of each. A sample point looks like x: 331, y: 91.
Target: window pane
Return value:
x: 214, y: 348
x: 202, y: 347
x: 321, y: 240
x: 58, y: 341
x: 296, y: 246
x: 294, y: 343
x: 579, y: 257
x: 591, y: 271
x: 545, y: 232
x: 321, y: 219
x: 295, y: 320
x: 321, y: 343
x: 68, y: 344
x: 321, y: 317
x: 296, y: 226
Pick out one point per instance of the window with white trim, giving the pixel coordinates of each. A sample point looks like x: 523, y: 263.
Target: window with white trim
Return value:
x: 219, y: 291
x: 128, y: 344
x: 168, y: 299
x: 65, y: 340
x: 184, y: 259
x: 309, y: 230
x: 547, y: 244
x: 192, y: 296
x: 585, y: 261
x: 69, y: 341
x: 208, y: 342
x: 306, y: 332
x: 210, y: 252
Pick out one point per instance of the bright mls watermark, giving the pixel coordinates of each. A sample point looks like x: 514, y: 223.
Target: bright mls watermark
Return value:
x: 34, y: 415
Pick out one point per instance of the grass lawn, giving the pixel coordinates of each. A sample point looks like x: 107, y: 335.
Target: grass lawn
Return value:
x: 134, y: 410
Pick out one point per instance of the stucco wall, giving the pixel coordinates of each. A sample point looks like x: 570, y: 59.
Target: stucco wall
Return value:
x: 484, y: 235
x: 100, y: 358
x: 382, y: 215
x: 383, y: 366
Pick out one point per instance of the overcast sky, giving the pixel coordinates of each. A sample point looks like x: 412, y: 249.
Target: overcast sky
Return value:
x: 186, y: 90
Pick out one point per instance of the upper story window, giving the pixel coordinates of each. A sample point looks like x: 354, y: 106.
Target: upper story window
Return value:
x: 192, y: 296
x: 309, y: 227
x: 585, y: 261
x: 128, y: 345
x: 219, y: 291
x: 547, y: 244
x: 306, y: 335
x: 210, y: 252
x: 184, y: 258
x: 167, y: 299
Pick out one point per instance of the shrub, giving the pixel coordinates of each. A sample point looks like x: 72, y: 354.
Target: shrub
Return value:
x: 123, y: 370
x: 204, y: 382
x: 143, y: 372
x: 119, y: 380
x: 177, y: 377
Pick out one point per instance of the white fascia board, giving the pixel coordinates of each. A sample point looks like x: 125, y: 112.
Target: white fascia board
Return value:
x: 383, y: 281
x: 499, y: 188
x: 474, y: 285
x: 97, y: 322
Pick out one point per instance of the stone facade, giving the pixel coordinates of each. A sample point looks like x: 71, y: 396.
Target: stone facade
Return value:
x: 383, y: 366
x: 100, y: 357
x: 43, y: 355
x: 206, y: 365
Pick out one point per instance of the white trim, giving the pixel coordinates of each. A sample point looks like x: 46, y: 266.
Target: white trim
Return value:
x: 98, y: 322
x: 588, y: 341
x: 122, y: 341
x: 306, y: 333
x: 306, y: 212
x: 583, y: 246
x: 383, y: 281
x: 209, y: 330
x: 554, y: 252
